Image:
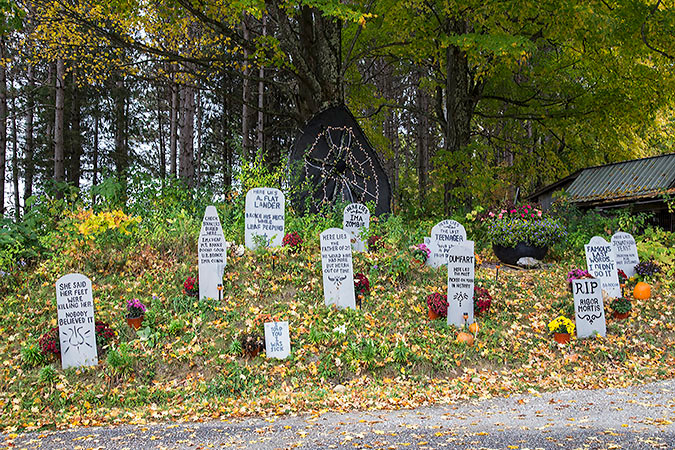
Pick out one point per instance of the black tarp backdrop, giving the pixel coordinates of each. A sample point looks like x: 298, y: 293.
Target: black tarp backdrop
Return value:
x: 332, y: 160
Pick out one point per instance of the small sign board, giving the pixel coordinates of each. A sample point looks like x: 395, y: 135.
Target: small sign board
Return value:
x: 602, y: 264
x: 212, y: 252
x: 444, y: 236
x: 461, y: 263
x: 589, y: 311
x: 277, y: 340
x: 77, y: 328
x: 625, y: 251
x: 264, y: 217
x: 356, y: 221
x: 336, y: 265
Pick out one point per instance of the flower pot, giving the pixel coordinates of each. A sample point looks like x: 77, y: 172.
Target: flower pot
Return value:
x: 562, y: 338
x: 511, y: 255
x: 433, y: 315
x: 620, y: 316
x: 135, y: 322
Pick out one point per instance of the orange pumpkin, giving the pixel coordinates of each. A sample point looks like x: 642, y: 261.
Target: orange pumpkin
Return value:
x: 642, y: 291
x: 465, y: 337
x: 473, y: 327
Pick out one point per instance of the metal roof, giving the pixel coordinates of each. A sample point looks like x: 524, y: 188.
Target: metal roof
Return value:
x: 638, y: 178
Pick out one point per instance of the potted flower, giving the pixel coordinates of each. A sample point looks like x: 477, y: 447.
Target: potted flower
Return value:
x: 292, y: 241
x: 621, y: 308
x: 135, y: 313
x: 481, y: 300
x: 562, y: 329
x: 361, y: 287
x: 522, y: 231
x: 420, y: 253
x: 645, y: 272
x: 577, y: 274
x: 438, y: 305
x: 191, y: 287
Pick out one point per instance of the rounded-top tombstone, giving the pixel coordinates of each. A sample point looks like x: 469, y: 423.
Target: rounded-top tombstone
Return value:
x: 336, y: 265
x: 77, y: 328
x: 602, y: 264
x: 264, y: 217
x: 444, y: 236
x: 625, y: 251
x: 356, y: 221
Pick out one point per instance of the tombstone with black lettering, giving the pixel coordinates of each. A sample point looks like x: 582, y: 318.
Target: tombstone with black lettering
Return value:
x: 589, y: 310
x: 444, y: 236
x: 212, y: 253
x: 602, y: 264
x: 77, y: 328
x: 461, y: 262
x: 336, y: 265
x: 356, y: 221
x: 277, y: 340
x: 625, y: 251
x: 264, y: 218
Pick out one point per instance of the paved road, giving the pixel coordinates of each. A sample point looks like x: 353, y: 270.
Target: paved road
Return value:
x: 633, y: 418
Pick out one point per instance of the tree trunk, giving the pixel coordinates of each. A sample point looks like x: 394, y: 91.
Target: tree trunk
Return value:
x: 198, y: 150
x: 29, y: 164
x: 261, y: 98
x: 160, y: 135
x: 3, y: 124
x: 15, y: 160
x: 227, y: 149
x: 59, y: 150
x: 245, y: 96
x: 121, y: 156
x: 75, y: 151
x: 173, y: 137
x: 422, y: 142
x: 186, y: 169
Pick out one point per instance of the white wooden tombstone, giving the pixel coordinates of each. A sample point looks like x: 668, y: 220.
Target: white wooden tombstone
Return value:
x: 625, y: 252
x: 212, y: 254
x: 277, y: 340
x: 264, y: 217
x: 356, y: 221
x: 589, y: 311
x: 336, y: 264
x: 77, y: 328
x: 444, y: 236
x: 461, y: 261
x: 602, y: 264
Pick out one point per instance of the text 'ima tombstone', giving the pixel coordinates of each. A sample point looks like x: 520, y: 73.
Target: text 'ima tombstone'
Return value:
x: 77, y: 328
x: 264, y: 217
x: 212, y: 254
x: 625, y: 252
x: 356, y: 221
x: 589, y: 311
x: 602, y: 264
x: 461, y: 260
x: 444, y: 236
x: 336, y: 264
x: 277, y: 340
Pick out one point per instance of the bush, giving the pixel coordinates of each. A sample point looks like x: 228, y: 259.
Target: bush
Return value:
x: 51, y: 346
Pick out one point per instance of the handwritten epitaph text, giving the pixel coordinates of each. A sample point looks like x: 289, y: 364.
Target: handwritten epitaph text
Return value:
x: 356, y: 221
x: 625, y: 252
x: 212, y: 254
x: 461, y: 260
x: 77, y: 328
x: 277, y: 340
x: 601, y: 264
x: 589, y: 310
x: 264, y: 217
x: 444, y: 236
x: 336, y: 264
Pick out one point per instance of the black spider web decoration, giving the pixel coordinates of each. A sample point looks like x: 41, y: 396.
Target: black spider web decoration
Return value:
x: 339, y: 172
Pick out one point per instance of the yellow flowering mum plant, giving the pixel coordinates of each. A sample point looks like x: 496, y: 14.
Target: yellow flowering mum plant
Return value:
x: 561, y: 325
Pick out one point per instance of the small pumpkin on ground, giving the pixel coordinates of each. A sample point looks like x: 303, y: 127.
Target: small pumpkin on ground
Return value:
x: 642, y: 291
x: 465, y: 337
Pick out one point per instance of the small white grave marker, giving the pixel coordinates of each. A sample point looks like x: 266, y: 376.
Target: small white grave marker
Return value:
x: 77, y: 328
x: 625, y: 251
x: 212, y: 254
x: 602, y: 264
x: 336, y: 264
x: 444, y: 236
x: 356, y: 221
x: 277, y: 340
x: 589, y: 311
x: 461, y: 260
x: 264, y: 217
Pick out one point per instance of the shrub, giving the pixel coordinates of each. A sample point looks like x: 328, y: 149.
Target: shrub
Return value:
x: 292, y: 240
x: 438, y: 303
x: 51, y: 346
x: 482, y: 300
x: 361, y: 284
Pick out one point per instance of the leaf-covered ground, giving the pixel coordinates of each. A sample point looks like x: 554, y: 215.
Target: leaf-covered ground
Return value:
x: 185, y: 364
